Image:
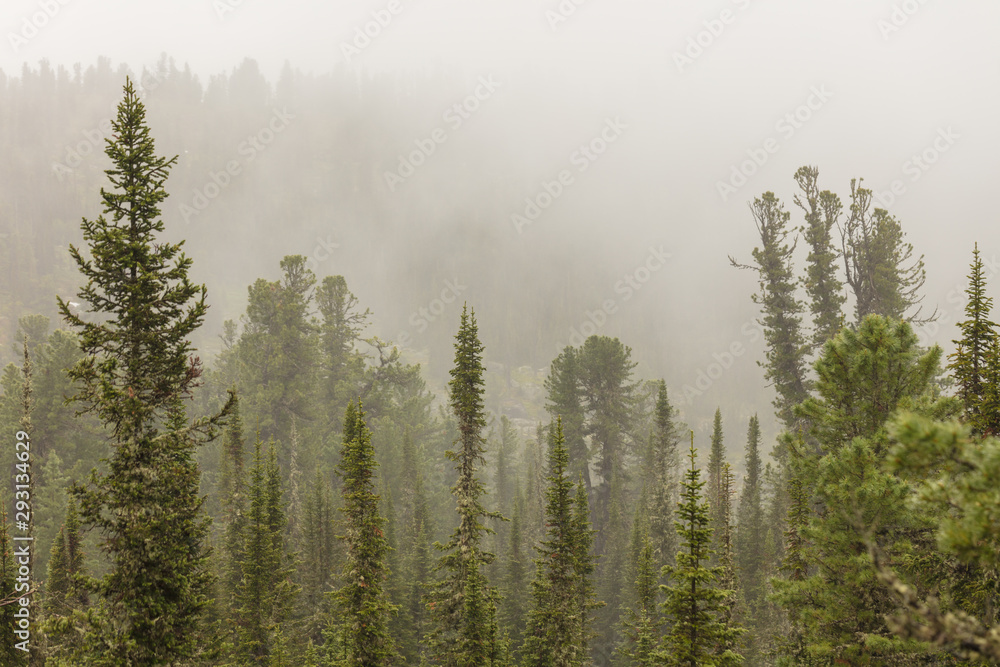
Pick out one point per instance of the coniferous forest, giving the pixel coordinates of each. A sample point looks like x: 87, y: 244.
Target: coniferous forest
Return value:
x: 292, y: 487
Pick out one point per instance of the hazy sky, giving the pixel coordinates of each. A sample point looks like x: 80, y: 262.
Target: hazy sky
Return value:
x: 722, y: 101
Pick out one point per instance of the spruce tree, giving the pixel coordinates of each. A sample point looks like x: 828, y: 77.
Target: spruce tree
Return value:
x: 971, y: 361
x: 65, y: 595
x: 514, y: 606
x: 661, y: 480
x: 137, y: 370
x: 232, y: 499
x: 263, y: 593
x: 716, y: 458
x: 551, y: 638
x: 362, y: 600
x: 694, y: 604
x: 642, y: 623
x: 463, y: 603
x: 583, y: 540
x: 750, y: 529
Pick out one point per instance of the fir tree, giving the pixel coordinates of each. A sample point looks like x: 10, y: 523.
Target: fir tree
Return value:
x: 642, y: 623
x: 515, y: 604
x: 585, y: 565
x: 716, y: 458
x: 463, y: 603
x: 137, y: 369
x: 694, y: 605
x: 661, y: 480
x: 750, y: 530
x: 551, y: 638
x: 232, y: 499
x: 263, y: 593
x: 971, y: 361
x: 362, y: 600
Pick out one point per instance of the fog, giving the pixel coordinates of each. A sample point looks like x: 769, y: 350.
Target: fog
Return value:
x: 689, y: 111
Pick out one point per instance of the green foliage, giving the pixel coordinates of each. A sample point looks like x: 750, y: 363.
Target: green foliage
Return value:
x: 878, y: 261
x: 566, y: 400
x: 823, y: 285
x: 751, y: 559
x: 463, y: 603
x: 9, y: 594
x: 716, y: 503
x: 362, y: 600
x: 695, y: 605
x: 264, y: 593
x: 552, y: 637
x: 642, y: 623
x: 781, y: 310
x: 661, y: 479
x: 975, y: 362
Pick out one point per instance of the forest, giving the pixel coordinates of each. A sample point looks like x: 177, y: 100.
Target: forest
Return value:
x: 305, y: 495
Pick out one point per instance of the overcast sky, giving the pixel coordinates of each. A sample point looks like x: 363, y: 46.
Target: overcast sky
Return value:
x: 903, y: 93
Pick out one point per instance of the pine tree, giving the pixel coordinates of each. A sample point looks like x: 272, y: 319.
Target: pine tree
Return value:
x: 551, y: 637
x: 642, y: 623
x: 877, y: 261
x: 566, y: 400
x: 826, y: 298
x: 694, y: 605
x: 462, y: 602
x: 138, y: 369
x: 782, y: 319
x: 362, y: 600
x: 970, y: 363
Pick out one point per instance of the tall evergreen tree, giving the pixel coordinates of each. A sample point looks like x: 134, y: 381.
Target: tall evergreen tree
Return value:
x: 970, y: 363
x: 138, y: 368
x: 823, y: 285
x: 878, y: 262
x: 642, y: 623
x: 566, y: 400
x: 232, y: 500
x: 65, y: 596
x: 661, y: 480
x: 781, y: 316
x: 750, y: 529
x: 514, y: 606
x: 264, y: 592
x: 694, y: 604
x: 716, y: 459
x: 463, y: 602
x: 585, y: 565
x: 363, y: 601
x: 551, y: 635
